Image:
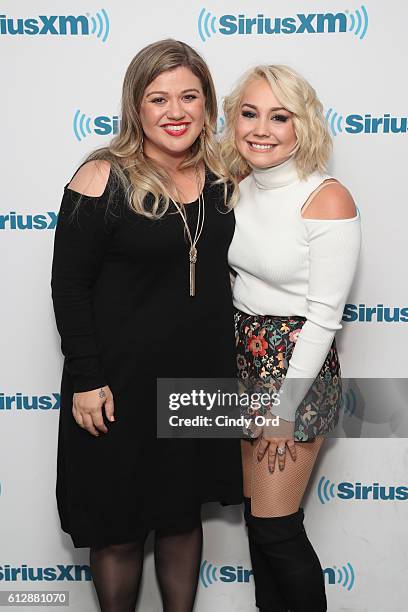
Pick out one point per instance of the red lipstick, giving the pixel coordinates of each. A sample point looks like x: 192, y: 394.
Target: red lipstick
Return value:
x: 171, y: 132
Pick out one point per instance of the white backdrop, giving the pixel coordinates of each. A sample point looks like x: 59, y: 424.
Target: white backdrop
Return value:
x: 60, y: 83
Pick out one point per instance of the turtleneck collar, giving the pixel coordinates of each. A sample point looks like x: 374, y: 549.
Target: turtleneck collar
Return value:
x: 276, y: 176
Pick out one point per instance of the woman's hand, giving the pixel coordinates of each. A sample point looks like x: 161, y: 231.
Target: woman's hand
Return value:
x: 274, y: 440
x: 87, y: 409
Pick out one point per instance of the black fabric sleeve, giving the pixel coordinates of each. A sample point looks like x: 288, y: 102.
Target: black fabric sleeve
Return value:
x: 81, y: 240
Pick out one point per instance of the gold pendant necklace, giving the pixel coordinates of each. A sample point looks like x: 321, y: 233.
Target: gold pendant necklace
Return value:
x: 193, y: 252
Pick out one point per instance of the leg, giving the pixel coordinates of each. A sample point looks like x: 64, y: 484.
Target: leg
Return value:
x: 177, y: 558
x: 116, y: 571
x: 267, y: 594
x: 276, y: 526
x: 281, y: 493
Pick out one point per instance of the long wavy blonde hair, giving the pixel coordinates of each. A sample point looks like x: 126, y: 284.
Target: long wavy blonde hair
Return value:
x: 298, y: 97
x: 125, y: 152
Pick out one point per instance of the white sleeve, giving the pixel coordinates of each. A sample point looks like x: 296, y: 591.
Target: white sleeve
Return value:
x: 334, y: 247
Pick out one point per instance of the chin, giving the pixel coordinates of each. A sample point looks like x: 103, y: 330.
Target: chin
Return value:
x: 180, y: 146
x: 261, y: 161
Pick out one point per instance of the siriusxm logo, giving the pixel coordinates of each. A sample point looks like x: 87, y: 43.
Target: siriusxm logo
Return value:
x: 343, y: 576
x: 365, y: 124
x: 57, y: 25
x: 14, y: 221
x: 102, y: 125
x: 30, y: 402
x: 379, y: 313
x: 327, y: 490
x: 210, y: 574
x: 301, y: 23
x: 83, y: 125
x: 58, y: 573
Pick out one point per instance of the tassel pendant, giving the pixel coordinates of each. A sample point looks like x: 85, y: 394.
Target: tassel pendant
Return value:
x: 193, y: 260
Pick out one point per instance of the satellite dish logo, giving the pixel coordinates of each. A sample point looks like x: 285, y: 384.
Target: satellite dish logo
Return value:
x: 83, y: 125
x: 58, y: 25
x: 365, y: 124
x: 355, y: 22
x: 206, y: 24
x: 100, y: 25
x: 334, y: 121
x: 358, y: 22
x: 208, y: 574
x: 344, y: 576
x: 327, y: 490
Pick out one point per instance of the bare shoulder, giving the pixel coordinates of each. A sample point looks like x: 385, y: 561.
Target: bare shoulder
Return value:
x: 334, y: 201
x: 91, y: 178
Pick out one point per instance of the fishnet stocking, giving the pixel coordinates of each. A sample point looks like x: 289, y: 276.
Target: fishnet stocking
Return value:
x: 279, y: 493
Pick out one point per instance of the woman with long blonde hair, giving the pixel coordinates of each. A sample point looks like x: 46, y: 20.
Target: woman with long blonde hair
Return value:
x: 294, y: 253
x: 141, y: 291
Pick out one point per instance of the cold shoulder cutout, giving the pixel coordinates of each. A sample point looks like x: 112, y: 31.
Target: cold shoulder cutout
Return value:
x: 91, y: 179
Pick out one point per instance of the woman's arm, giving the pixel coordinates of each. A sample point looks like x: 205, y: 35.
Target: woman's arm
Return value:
x: 80, y: 243
x: 334, y: 235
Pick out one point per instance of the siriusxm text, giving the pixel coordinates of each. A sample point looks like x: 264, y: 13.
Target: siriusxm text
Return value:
x: 25, y: 573
x: 14, y: 221
x: 378, y: 313
x: 312, y: 23
x: 42, y: 25
x: 375, y: 491
x: 19, y: 401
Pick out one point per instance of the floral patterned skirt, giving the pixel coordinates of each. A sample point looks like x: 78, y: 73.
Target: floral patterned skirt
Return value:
x: 264, y: 347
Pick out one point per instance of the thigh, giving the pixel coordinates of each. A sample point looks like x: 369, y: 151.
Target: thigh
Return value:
x: 281, y: 492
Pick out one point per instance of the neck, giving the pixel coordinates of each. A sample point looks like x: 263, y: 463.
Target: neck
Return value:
x: 171, y: 162
x: 274, y: 177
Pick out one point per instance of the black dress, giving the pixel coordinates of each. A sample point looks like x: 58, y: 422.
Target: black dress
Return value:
x: 120, y: 288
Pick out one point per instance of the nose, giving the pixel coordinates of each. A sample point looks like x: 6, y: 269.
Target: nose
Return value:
x: 262, y: 127
x: 175, y: 109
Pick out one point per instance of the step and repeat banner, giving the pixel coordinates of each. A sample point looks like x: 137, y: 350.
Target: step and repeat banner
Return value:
x: 62, y: 66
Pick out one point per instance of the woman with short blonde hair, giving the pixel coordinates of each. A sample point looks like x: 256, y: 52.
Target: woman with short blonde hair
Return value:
x: 294, y: 254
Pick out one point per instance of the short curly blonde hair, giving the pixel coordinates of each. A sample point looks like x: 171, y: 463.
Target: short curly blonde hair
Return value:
x: 298, y: 97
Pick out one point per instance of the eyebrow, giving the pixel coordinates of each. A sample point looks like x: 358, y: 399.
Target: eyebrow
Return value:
x: 275, y: 108
x: 166, y: 92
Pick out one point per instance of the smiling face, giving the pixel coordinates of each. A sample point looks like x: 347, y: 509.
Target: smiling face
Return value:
x: 264, y: 132
x: 172, y: 114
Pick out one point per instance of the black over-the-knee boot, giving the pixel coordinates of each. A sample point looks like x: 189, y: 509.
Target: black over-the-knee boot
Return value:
x: 292, y: 559
x: 267, y: 594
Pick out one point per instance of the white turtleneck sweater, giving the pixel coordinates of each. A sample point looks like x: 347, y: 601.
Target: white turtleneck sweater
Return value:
x: 290, y: 266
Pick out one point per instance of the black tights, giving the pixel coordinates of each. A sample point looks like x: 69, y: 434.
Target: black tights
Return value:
x: 117, y: 570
